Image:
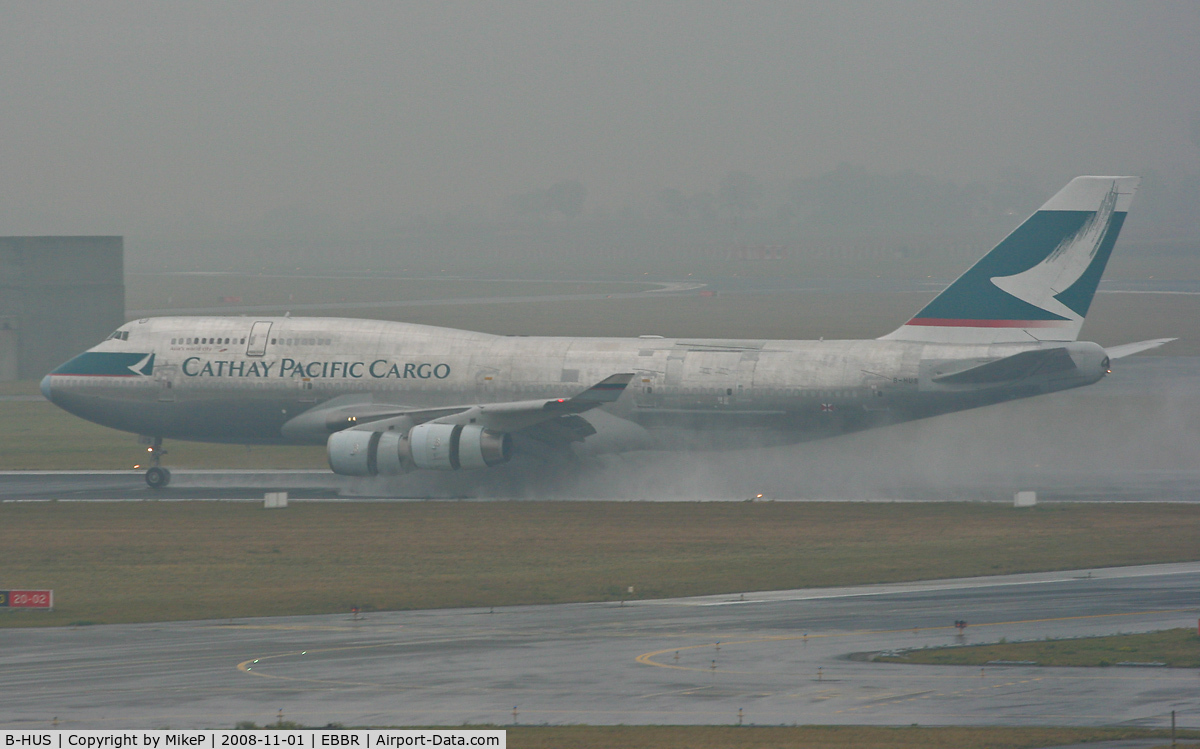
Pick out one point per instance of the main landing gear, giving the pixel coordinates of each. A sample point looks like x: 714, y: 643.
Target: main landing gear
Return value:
x: 157, y: 477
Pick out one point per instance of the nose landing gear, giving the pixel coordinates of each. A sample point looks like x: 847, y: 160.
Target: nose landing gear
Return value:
x: 157, y: 477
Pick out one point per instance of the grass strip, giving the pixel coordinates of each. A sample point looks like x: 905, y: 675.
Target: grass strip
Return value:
x: 816, y: 737
x: 1175, y: 648
x: 184, y: 291
x: 41, y: 436
x: 800, y: 737
x: 162, y: 561
x: 20, y: 387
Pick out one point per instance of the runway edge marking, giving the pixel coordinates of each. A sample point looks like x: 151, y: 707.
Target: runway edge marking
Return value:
x: 647, y: 659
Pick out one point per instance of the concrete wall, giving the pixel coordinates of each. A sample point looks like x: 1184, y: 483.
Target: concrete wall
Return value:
x: 58, y: 296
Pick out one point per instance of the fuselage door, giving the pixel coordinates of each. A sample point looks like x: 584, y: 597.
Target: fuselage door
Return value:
x: 167, y: 379
x: 486, y: 381
x: 674, y: 375
x: 747, y: 363
x: 256, y: 344
x: 647, y: 388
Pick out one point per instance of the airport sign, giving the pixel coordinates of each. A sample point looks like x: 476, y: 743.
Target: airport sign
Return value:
x: 27, y: 599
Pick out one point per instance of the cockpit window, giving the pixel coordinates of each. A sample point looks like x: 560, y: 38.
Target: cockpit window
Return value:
x: 120, y: 335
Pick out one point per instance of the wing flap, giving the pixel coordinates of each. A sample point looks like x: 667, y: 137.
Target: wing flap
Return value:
x: 605, y: 391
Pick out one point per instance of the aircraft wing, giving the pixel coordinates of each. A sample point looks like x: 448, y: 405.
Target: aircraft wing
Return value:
x: 554, y: 414
x: 349, y: 412
x: 1129, y: 349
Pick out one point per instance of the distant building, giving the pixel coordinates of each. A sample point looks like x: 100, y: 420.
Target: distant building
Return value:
x: 58, y: 296
x: 756, y: 252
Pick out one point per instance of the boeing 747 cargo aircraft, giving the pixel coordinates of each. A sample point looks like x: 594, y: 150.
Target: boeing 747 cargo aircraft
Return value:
x: 387, y: 397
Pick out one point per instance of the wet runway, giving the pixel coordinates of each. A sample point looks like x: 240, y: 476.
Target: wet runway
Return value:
x: 1173, y: 486
x: 782, y: 657
x: 113, y: 486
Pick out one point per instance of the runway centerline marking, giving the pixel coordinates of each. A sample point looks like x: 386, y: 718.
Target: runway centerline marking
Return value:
x: 247, y: 666
x: 892, y: 701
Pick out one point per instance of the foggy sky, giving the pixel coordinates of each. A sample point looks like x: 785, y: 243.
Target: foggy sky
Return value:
x: 149, y: 118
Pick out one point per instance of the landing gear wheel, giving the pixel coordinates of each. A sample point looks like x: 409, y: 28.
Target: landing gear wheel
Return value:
x: 158, y: 478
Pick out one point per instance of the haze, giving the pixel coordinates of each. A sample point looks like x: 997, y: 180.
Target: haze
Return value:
x: 196, y: 128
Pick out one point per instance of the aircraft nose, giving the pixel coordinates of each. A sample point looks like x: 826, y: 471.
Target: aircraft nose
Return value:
x: 46, y: 388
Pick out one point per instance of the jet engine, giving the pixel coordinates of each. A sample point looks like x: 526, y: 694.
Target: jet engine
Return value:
x: 438, y: 447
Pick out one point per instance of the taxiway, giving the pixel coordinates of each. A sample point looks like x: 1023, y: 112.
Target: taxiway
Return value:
x: 781, y: 657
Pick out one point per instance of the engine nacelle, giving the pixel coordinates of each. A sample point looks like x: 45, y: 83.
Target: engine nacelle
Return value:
x: 438, y: 447
x: 354, y: 453
x: 454, y: 447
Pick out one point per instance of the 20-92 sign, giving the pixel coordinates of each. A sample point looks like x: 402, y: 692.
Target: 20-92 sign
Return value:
x: 27, y: 599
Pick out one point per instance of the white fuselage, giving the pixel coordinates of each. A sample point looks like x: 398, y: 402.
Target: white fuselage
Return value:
x: 242, y: 380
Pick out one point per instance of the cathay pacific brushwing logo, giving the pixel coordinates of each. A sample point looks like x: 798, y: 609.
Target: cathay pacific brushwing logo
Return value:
x: 144, y: 367
x: 1064, y: 266
x: 108, y: 364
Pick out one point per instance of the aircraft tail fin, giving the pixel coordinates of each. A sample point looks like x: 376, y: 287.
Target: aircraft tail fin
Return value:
x: 1038, y: 283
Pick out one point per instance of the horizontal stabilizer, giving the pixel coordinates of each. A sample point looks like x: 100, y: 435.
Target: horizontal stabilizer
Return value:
x: 1011, y: 368
x: 1129, y: 349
